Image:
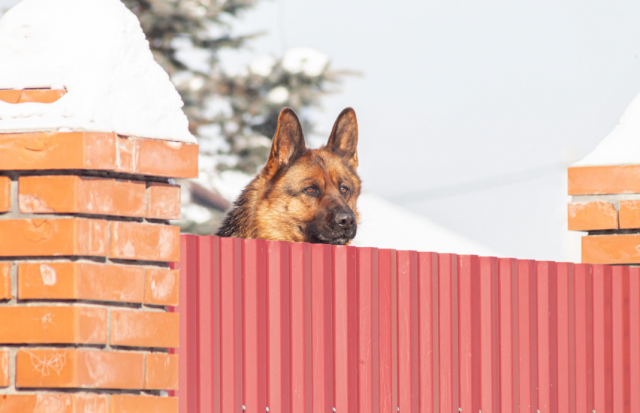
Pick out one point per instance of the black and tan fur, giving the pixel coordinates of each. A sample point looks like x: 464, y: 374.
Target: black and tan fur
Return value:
x: 302, y: 195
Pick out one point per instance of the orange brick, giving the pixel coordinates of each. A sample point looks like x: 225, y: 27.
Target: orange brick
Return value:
x: 144, y: 329
x: 170, y: 159
x: 80, y: 281
x: 592, y: 216
x: 5, y: 193
x: 59, y: 150
x: 5, y: 281
x: 53, y: 325
x: 69, y: 368
x: 611, y: 249
x: 157, y: 157
x: 32, y: 95
x: 127, y: 154
x: 163, y: 201
x: 74, y: 194
x: 4, y: 370
x: 136, y: 241
x: 143, y: 404
x: 161, y: 286
x: 48, y: 194
x: 41, y: 95
x: 629, y: 214
x: 10, y: 95
x: 53, y: 403
x: 53, y: 237
x: 161, y: 372
x: 97, y: 151
x: 594, y: 180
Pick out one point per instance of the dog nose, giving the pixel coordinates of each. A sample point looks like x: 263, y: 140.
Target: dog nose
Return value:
x: 344, y: 219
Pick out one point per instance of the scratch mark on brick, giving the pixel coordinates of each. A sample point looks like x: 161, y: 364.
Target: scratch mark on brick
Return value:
x: 48, y: 274
x: 4, y: 364
x: 33, y: 203
x: 51, y: 404
x: 47, y: 319
x: 37, y: 230
x: 161, y: 289
x: 50, y: 362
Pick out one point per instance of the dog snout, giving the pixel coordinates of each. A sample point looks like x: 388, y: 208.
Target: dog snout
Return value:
x: 345, y: 219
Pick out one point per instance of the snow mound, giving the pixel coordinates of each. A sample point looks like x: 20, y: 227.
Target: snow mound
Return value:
x: 278, y: 94
x: 305, y: 60
x: 386, y: 225
x: 622, y: 145
x: 97, y: 51
x: 263, y: 65
x: 230, y: 183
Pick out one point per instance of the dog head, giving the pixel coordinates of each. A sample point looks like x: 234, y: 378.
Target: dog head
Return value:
x: 309, y: 195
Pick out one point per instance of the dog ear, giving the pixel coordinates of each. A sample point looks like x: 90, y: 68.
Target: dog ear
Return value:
x: 344, y: 137
x: 288, y: 142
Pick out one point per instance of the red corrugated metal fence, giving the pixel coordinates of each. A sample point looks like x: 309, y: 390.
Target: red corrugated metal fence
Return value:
x: 315, y: 328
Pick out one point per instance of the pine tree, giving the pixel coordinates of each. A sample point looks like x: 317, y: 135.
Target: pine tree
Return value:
x: 233, y: 115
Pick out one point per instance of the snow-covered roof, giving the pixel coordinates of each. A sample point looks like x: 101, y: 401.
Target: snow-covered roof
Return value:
x: 97, y: 51
x: 387, y: 225
x: 622, y: 145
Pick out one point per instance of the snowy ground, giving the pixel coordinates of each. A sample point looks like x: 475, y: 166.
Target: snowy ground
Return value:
x: 385, y: 224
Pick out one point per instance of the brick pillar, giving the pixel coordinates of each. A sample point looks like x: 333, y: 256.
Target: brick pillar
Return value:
x: 85, y: 284
x: 606, y: 203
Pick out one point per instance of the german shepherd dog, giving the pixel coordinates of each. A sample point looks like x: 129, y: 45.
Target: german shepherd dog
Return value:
x: 302, y: 195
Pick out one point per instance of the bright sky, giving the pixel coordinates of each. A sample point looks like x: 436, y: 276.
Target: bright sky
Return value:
x: 458, y: 92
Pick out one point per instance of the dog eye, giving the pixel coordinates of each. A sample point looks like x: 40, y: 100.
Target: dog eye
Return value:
x: 310, y: 190
x: 344, y: 190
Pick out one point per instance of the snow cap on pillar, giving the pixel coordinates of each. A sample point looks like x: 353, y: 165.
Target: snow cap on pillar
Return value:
x: 97, y: 50
x: 622, y: 145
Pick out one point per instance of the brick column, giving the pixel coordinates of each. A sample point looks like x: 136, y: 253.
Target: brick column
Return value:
x: 606, y: 203
x: 85, y: 284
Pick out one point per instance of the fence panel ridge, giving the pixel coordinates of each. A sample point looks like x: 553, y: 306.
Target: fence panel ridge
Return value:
x: 507, y: 344
x: 345, y: 329
x: 366, y: 318
x: 602, y: 342
x: 469, y: 335
x: 271, y: 326
x: 254, y: 325
x: 278, y: 315
x: 446, y: 290
x: 407, y: 288
x: 208, y: 322
x: 385, y: 331
x: 565, y: 332
x: 427, y: 267
x: 188, y: 374
x: 300, y: 300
